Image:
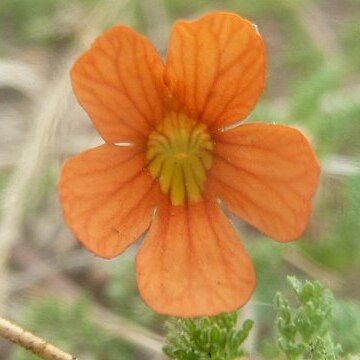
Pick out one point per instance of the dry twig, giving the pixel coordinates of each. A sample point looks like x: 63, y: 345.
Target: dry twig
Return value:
x: 314, y: 269
x: 115, y: 324
x: 31, y: 342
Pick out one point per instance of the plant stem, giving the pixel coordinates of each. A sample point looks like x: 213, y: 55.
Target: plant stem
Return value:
x: 32, y: 343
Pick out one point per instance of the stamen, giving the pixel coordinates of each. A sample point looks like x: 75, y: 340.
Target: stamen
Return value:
x: 179, y: 152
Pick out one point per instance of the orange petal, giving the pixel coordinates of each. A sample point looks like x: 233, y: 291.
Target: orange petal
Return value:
x: 216, y: 67
x: 267, y: 175
x: 119, y: 83
x: 192, y: 263
x: 107, y: 198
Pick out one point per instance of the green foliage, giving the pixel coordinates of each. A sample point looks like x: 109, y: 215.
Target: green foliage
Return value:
x: 3, y: 180
x: 216, y: 338
x: 338, y: 245
x: 268, y: 262
x: 301, y: 54
x: 310, y: 90
x: 258, y: 8
x: 304, y: 331
x: 180, y: 8
x: 305, y: 324
x: 38, y: 21
x: 70, y: 327
x: 350, y: 39
x: 121, y: 293
x: 346, y: 325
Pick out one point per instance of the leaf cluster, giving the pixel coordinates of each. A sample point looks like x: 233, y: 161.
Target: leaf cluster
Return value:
x: 217, y: 338
x: 304, y: 330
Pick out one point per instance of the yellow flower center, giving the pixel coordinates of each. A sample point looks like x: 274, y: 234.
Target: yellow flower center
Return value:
x: 179, y: 152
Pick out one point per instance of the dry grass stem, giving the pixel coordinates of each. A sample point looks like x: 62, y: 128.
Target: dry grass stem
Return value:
x: 313, y: 269
x: 29, y: 166
x: 341, y: 166
x: 44, y: 270
x: 41, y: 139
x: 315, y: 23
x: 127, y: 330
x: 20, y: 76
x: 157, y: 23
x: 249, y: 312
x: 117, y: 325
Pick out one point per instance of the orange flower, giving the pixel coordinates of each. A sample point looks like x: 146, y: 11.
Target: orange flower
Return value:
x: 183, y: 159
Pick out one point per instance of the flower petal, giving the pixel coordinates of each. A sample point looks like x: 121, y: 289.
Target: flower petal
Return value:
x: 119, y: 83
x: 107, y: 198
x: 216, y: 67
x: 192, y: 263
x: 267, y: 175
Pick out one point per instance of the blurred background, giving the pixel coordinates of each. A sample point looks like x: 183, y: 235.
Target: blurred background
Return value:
x: 90, y: 306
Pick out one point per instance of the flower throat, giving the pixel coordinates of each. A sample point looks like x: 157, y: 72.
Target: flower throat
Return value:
x: 179, y: 154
